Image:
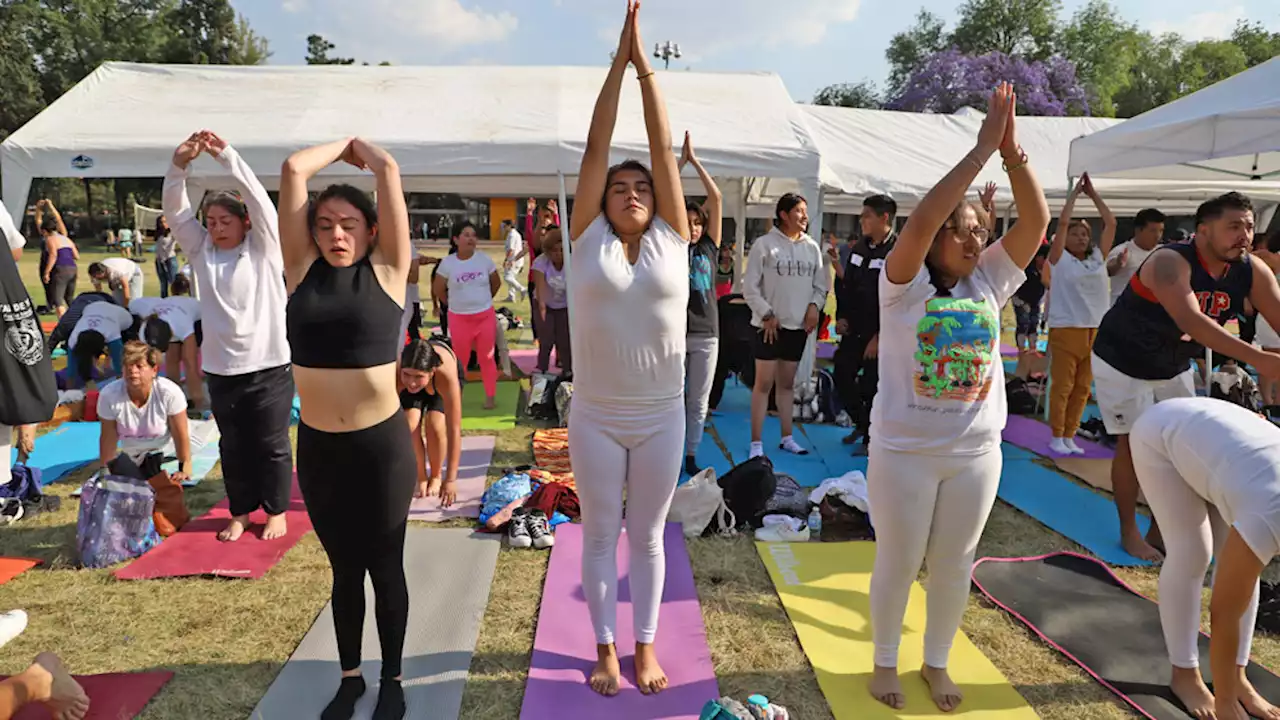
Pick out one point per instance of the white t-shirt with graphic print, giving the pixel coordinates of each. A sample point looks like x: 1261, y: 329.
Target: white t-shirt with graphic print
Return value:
x: 468, y: 282
x: 941, y: 375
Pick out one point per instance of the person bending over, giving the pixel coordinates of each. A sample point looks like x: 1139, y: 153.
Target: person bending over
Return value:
x: 706, y: 226
x: 1077, y: 302
x: 432, y: 379
x: 466, y: 282
x: 935, y: 463
x: 1174, y: 307
x: 786, y: 288
x: 347, y: 265
x: 122, y: 276
x: 170, y: 327
x: 1210, y: 471
x: 629, y: 296
x: 142, y: 412
x: 552, y: 303
x: 236, y: 260
x: 47, y: 682
x: 99, y: 330
x: 59, y: 271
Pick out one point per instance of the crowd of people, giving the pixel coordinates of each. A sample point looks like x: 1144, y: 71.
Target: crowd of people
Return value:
x: 319, y: 296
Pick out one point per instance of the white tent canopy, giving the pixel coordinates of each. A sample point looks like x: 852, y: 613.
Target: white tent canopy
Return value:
x: 473, y: 130
x: 1229, y: 131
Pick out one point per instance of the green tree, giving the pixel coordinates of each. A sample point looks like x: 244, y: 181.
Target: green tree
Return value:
x: 211, y: 32
x: 1024, y: 28
x: 21, y: 96
x: 908, y: 50
x: 1257, y: 44
x: 1207, y: 62
x: 318, y: 52
x: 1153, y: 76
x: 852, y: 95
x: 1103, y: 47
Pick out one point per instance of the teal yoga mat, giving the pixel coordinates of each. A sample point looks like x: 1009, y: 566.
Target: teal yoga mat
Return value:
x: 828, y: 442
x: 709, y: 455
x: 63, y: 449
x: 734, y: 430
x: 736, y: 398
x: 1069, y: 509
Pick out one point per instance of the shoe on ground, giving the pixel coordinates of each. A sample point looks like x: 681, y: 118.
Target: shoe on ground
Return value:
x: 12, y: 624
x: 851, y: 438
x: 1072, y: 446
x: 790, y: 445
x: 1058, y: 446
x: 757, y: 449
x: 691, y: 466
x: 539, y: 530
x: 782, y: 533
x: 518, y: 529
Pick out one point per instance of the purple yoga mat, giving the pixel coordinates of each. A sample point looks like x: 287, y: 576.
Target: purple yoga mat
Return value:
x: 826, y: 351
x: 473, y: 471
x: 564, y: 650
x: 1033, y: 435
x: 1008, y: 350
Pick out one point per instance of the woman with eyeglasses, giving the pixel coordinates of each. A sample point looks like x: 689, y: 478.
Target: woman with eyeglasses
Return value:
x: 1078, y: 298
x: 935, y: 462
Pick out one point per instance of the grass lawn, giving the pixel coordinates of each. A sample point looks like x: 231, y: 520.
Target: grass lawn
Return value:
x: 227, y: 639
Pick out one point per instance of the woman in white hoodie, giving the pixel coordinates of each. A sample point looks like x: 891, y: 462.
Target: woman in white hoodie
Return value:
x: 786, y: 288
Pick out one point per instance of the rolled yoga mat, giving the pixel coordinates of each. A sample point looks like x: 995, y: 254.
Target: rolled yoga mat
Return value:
x: 449, y: 572
x: 564, y: 649
x: 1081, y: 609
x: 114, y: 696
x: 825, y: 589
x: 64, y: 449
x: 473, y: 471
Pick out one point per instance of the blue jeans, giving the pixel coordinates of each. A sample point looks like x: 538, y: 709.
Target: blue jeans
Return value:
x: 166, y: 270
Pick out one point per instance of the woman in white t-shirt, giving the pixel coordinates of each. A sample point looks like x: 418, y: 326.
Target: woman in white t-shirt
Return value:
x: 1079, y: 296
x: 142, y: 412
x: 122, y: 275
x: 467, y: 281
x: 99, y: 330
x: 1210, y: 471
x: 169, y: 325
x: 935, y: 463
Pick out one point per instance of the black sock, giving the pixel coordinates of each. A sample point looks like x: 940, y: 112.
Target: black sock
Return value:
x: 390, y: 701
x: 690, y: 465
x: 343, y: 704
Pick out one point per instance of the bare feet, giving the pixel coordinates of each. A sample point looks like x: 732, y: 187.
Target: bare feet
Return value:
x: 650, y: 677
x: 1253, y: 703
x: 945, y: 693
x: 234, y: 529
x: 606, y: 676
x: 1136, y: 546
x: 490, y: 403
x: 1189, y: 686
x: 428, y: 488
x: 277, y: 527
x: 886, y: 687
x: 66, y: 699
x: 420, y: 491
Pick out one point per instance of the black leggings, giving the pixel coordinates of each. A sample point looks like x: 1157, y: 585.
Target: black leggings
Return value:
x: 358, y: 486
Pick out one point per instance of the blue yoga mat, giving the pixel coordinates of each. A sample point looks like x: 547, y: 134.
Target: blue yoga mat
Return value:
x: 828, y: 442
x: 1013, y: 452
x: 735, y: 399
x: 735, y: 432
x: 1068, y: 509
x: 709, y: 455
x: 63, y: 449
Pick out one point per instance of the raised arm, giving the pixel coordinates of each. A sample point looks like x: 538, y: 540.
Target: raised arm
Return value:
x: 595, y: 160
x: 57, y: 217
x: 262, y: 213
x: 394, y: 250
x: 1022, y: 241
x: 186, y: 228
x: 1059, y: 243
x: 1108, y: 218
x: 714, y: 206
x: 668, y: 190
x: 296, y: 246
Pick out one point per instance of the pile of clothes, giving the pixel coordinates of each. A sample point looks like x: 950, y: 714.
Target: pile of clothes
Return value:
x: 528, y: 503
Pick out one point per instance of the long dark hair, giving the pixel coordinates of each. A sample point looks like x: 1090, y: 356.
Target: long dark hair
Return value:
x: 157, y: 333
x: 420, y: 355
x: 786, y: 204
x: 90, y: 345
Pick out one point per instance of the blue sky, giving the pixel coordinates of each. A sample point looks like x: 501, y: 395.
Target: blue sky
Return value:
x: 811, y: 43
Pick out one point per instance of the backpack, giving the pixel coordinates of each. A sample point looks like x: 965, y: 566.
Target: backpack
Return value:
x: 788, y: 499
x: 24, y: 485
x: 1019, y: 398
x: 542, y: 396
x: 564, y: 397
x: 1234, y: 385
x: 748, y: 487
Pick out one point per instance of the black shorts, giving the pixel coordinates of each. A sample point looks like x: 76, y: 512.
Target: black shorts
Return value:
x: 787, y: 346
x: 421, y: 400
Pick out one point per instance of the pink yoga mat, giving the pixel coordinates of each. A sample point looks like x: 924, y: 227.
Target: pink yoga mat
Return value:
x: 473, y: 470
x: 564, y: 650
x: 527, y: 360
x: 1033, y: 435
x: 115, y: 696
x: 1008, y: 350
x: 196, y: 550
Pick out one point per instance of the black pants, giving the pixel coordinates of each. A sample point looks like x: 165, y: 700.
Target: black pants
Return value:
x: 557, y: 330
x: 358, y: 486
x: 253, y: 413
x: 534, y: 322
x: 856, y: 379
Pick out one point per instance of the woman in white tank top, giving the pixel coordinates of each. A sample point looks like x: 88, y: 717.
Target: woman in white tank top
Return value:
x: 628, y: 295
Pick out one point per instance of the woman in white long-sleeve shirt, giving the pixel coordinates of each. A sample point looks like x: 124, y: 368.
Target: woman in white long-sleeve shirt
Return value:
x: 237, y: 262
x: 786, y: 288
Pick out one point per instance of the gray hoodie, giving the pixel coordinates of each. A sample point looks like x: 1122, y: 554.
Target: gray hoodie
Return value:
x: 785, y: 276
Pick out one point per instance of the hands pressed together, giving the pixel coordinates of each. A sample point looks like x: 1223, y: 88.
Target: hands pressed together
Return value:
x: 630, y: 46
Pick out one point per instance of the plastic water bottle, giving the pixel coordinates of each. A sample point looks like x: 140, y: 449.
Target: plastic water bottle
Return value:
x: 815, y: 523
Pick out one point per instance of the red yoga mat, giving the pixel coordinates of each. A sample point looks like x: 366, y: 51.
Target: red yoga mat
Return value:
x: 564, y: 649
x: 196, y: 550
x: 114, y: 696
x: 11, y: 568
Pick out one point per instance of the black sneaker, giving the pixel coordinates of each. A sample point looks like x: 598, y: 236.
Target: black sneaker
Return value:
x: 539, y: 529
x: 690, y: 466
x: 518, y: 529
x: 851, y: 438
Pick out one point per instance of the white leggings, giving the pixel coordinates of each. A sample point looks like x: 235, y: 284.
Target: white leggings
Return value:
x: 699, y: 372
x: 1193, y: 531
x: 6, y: 452
x: 928, y: 508
x: 637, y: 448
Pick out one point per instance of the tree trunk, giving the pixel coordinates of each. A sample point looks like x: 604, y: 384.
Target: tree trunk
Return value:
x: 88, y: 207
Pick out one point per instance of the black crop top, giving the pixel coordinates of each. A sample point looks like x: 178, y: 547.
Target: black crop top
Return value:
x: 342, y: 318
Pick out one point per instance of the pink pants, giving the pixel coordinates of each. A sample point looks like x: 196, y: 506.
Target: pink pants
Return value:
x: 478, y: 332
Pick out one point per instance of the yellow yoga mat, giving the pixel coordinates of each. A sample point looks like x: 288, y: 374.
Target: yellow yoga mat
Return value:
x: 825, y: 588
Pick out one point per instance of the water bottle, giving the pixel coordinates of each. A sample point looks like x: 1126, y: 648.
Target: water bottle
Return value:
x: 815, y: 523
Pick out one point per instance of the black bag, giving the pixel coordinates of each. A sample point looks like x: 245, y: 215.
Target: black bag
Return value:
x: 1019, y: 398
x: 828, y: 400
x: 788, y: 499
x: 29, y: 392
x: 736, y: 338
x: 748, y: 489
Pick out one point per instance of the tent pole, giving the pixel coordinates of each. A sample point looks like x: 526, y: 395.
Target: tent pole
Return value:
x: 567, y: 242
x: 739, y: 232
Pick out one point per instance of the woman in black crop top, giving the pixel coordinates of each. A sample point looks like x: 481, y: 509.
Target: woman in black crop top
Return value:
x: 431, y: 378
x: 346, y: 267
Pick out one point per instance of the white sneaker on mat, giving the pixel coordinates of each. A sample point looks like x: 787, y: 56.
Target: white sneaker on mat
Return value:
x: 757, y: 449
x: 1072, y: 446
x: 12, y: 624
x: 782, y: 533
x: 790, y: 445
x: 1058, y: 446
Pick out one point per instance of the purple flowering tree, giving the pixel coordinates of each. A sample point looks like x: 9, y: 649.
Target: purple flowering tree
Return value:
x: 949, y: 80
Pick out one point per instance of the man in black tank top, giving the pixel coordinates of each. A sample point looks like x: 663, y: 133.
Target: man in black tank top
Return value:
x: 1173, y: 308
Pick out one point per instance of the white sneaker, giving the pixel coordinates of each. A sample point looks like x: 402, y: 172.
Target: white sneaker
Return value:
x: 1072, y: 446
x: 757, y: 449
x: 1058, y: 446
x: 790, y: 445
x: 782, y: 533
x: 12, y: 624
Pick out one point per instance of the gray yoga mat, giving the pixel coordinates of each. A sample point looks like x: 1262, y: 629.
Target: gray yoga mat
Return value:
x: 449, y: 573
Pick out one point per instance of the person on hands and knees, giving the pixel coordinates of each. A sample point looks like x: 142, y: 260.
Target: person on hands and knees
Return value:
x: 1172, y: 309
x: 629, y: 297
x: 237, y: 262
x: 1210, y: 471
x: 935, y: 461
x: 431, y: 399
x: 142, y: 413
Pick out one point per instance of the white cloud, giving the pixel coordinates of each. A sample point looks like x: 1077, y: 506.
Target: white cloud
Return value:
x: 371, y: 27
x: 1207, y: 25
x: 293, y: 6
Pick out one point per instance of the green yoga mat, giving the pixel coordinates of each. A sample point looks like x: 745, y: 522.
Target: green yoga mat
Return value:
x: 503, y: 417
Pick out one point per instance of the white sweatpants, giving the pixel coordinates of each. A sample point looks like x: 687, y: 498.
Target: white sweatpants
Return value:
x: 699, y: 374
x: 928, y: 508
x: 6, y: 450
x: 1193, y: 531
x: 635, y: 448
x: 512, y: 278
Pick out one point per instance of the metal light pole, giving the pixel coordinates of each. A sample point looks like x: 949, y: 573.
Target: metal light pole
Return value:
x: 665, y: 51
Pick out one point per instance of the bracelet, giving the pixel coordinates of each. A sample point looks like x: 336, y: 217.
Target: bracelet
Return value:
x: 974, y: 160
x: 646, y: 75
x: 1021, y: 162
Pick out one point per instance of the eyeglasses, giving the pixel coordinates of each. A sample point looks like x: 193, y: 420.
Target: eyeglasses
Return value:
x: 980, y: 234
